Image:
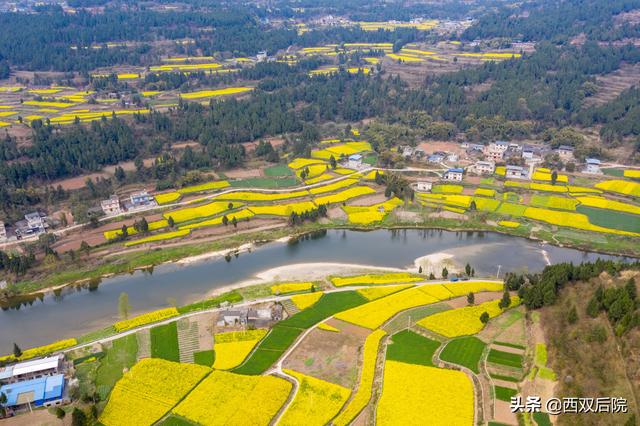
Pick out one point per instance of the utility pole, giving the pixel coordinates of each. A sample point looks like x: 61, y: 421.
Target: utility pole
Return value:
x: 498, y: 273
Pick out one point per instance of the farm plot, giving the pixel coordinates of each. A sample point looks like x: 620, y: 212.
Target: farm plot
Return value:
x: 159, y: 237
x: 435, y: 396
x: 370, y: 279
x: 226, y: 399
x: 206, y: 210
x: 333, y: 186
x: 284, y: 288
x: 143, y: 319
x: 620, y: 187
x: 465, y: 351
x: 238, y: 215
x: 164, y: 342
x: 603, y: 203
x: 303, y: 301
x: 316, y: 402
x: 412, y: 348
x: 365, y: 215
x: 611, y: 219
x: 284, y: 209
x: 363, y: 394
x: 553, y: 202
x: 463, y: 321
x: 233, y: 347
x: 149, y: 390
x: 261, y: 196
x: 345, y: 195
x: 505, y: 358
x: 373, y: 293
x: 283, y: 334
x: 571, y: 220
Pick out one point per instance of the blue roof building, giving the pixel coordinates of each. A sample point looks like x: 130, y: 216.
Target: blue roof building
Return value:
x: 355, y: 157
x: 36, y: 392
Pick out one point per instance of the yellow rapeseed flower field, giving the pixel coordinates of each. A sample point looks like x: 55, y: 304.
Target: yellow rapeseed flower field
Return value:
x: 539, y: 174
x: 233, y: 347
x: 417, y: 394
x: 262, y: 196
x: 153, y: 226
x: 238, y: 215
x: 509, y: 224
x: 321, y: 178
x: 462, y: 288
x: 455, y: 200
x: 373, y: 293
x: 149, y: 390
x: 603, y: 203
x: 300, y: 163
x: 373, y: 314
x: 167, y: 197
x: 284, y: 209
x: 192, y: 213
x: 463, y: 321
x: 284, y: 288
x: 315, y: 403
x: 303, y: 301
x: 635, y: 174
x: 232, y: 399
x: 159, y: 237
x: 144, y: 319
x: 368, y: 279
x: 313, y: 170
x: 447, y: 189
x: 41, y: 350
x: 485, y: 192
x: 208, y: 186
x: 620, y: 186
x: 405, y: 58
x: 571, y: 220
x: 363, y: 394
x: 345, y: 195
x: 333, y: 186
x: 326, y: 327
x: 365, y: 215
x: 213, y: 93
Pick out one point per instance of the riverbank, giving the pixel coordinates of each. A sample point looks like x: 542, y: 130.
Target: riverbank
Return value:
x: 197, y: 251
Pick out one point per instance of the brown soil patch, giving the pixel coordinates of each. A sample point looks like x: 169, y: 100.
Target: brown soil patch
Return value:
x: 445, y: 214
x: 507, y: 349
x: 432, y: 146
x: 611, y: 85
x: 503, y: 413
x: 242, y: 173
x: 337, y: 213
x: 206, y: 323
x: 369, y: 200
x: 37, y: 417
x: 330, y: 356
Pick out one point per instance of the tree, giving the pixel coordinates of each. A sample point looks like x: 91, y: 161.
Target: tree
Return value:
x: 471, y: 298
x: 120, y: 174
x: 85, y: 247
x: 554, y: 177
x: 78, y: 417
x: 484, y: 318
x: 467, y: 269
x: 431, y: 276
x: 17, y: 352
x: 445, y: 272
x: 420, y: 270
x: 234, y: 221
x: 333, y: 162
x: 473, y: 206
x: 60, y: 413
x: 225, y: 220
x: 124, y: 232
x: 123, y: 305
x: 171, y: 222
x: 473, y: 272
x: 3, y: 401
x: 505, y: 302
x: 230, y: 206
x: 630, y: 288
x: 572, y: 316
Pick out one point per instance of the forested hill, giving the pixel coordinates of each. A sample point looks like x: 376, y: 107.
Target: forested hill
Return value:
x: 556, y: 20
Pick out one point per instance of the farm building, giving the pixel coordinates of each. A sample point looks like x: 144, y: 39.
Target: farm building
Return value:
x: 3, y: 232
x: 111, y: 206
x: 435, y: 158
x: 495, y: 150
x: 592, y: 166
x: 454, y: 175
x: 516, y: 172
x: 27, y: 370
x: 565, y: 152
x: 139, y: 200
x: 484, y: 167
x: 354, y: 161
x: 423, y: 186
x: 45, y: 391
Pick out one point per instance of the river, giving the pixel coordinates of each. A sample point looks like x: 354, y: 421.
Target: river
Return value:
x: 74, y: 311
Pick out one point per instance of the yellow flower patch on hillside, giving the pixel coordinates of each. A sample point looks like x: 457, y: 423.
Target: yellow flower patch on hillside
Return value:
x: 143, y: 319
x: 232, y: 399
x: 168, y: 197
x: 436, y: 396
x: 159, y: 237
x: 153, y: 226
x: 326, y: 327
x: 620, y: 187
x: 208, y: 186
x: 312, y: 170
x: 571, y: 220
x: 232, y: 348
x: 603, y: 203
x: 345, y: 195
x: 149, y: 390
x: 321, y: 178
x: 333, y: 186
x: 303, y: 301
x: 213, y: 93
x: 373, y: 293
x: 369, y: 279
x: 192, y: 213
x: 285, y: 288
x: 238, y: 215
x: 284, y: 209
x: 634, y: 174
x: 462, y: 288
x: 463, y: 321
x: 365, y: 215
x: 261, y: 196
x: 509, y: 224
x: 315, y: 403
x: 41, y: 350
x: 485, y: 192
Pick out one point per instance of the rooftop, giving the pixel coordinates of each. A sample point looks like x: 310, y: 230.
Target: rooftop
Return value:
x: 592, y: 161
x: 456, y: 170
x: 34, y: 390
x: 355, y: 157
x: 34, y: 366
